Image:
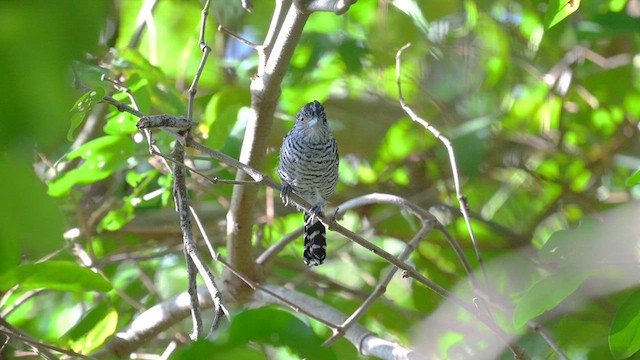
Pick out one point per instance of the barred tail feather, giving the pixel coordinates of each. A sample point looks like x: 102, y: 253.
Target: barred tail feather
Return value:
x: 315, y: 242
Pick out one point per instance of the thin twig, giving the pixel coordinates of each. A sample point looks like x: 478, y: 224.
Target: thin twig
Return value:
x: 381, y: 287
x: 19, y: 302
x: 279, y: 246
x: 12, y: 332
x: 122, y: 106
x: 182, y: 208
x: 547, y: 338
x: 237, y: 37
x: 213, y: 180
x: 193, y: 89
x: 203, y: 24
x: 464, y: 205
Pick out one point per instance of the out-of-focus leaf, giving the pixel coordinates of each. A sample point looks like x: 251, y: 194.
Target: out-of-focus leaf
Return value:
x: 557, y: 10
x: 277, y: 328
x: 121, y: 123
x: 117, y: 218
x: 624, y: 336
x: 634, y: 179
x: 82, y: 106
x: 173, y: 46
x: 88, y: 321
x: 103, y: 327
x: 54, y: 275
x: 632, y: 104
x: 102, y: 157
x: 90, y: 75
x: 566, y: 244
x: 546, y: 294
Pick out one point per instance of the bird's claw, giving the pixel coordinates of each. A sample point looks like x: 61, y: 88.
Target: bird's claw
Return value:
x: 313, y: 215
x: 284, y: 193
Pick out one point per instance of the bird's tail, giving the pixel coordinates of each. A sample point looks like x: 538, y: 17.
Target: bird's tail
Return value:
x: 315, y: 242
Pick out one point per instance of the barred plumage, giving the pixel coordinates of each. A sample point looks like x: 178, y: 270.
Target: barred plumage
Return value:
x: 309, y: 167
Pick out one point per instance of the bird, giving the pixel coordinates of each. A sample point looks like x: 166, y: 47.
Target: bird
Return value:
x: 308, y: 167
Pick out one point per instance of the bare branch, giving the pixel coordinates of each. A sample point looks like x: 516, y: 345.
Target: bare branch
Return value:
x: 155, y: 121
x: 237, y: 37
x: 182, y: 207
x: 381, y: 287
x: 122, y: 106
x: 277, y: 247
x: 367, y: 343
x: 203, y: 24
x: 464, y: 205
x: 193, y: 89
x: 548, y: 339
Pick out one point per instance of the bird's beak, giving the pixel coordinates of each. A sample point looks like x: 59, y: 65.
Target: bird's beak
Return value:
x: 313, y: 121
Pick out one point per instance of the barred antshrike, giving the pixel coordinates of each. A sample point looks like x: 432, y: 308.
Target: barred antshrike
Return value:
x: 309, y: 167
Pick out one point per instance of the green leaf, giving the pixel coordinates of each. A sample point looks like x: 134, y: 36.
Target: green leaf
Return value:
x: 277, y: 328
x: 54, y: 275
x: 88, y: 321
x: 102, y: 329
x: 103, y: 156
x: 624, y: 336
x: 558, y: 10
x: 81, y: 107
x: 119, y: 123
x: 546, y: 294
x: 90, y: 75
x: 117, y: 218
x: 575, y: 243
x: 634, y: 179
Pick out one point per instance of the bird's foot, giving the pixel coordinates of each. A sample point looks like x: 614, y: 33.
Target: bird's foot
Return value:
x: 313, y: 215
x: 284, y: 193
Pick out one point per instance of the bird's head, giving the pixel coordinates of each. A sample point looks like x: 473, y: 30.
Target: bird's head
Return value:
x: 311, y: 121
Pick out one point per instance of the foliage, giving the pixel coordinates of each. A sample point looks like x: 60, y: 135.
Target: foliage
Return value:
x: 542, y: 108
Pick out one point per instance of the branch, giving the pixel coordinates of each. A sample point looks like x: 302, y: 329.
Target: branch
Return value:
x: 166, y: 314
x: 152, y: 322
x: 464, y: 205
x: 265, y: 91
x: 367, y: 343
x: 381, y: 288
